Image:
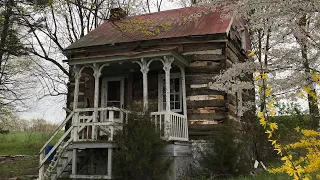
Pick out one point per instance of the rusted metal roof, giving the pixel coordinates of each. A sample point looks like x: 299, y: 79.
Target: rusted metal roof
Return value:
x: 191, y: 21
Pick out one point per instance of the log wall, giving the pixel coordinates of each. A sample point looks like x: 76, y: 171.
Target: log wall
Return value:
x: 207, y: 109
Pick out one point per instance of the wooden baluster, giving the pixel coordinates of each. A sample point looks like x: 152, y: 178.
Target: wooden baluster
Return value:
x: 181, y: 127
x: 173, y: 126
x: 176, y: 134
x: 84, y: 128
x: 87, y: 132
x: 160, y: 123
x: 178, y: 127
x: 111, y: 119
x: 186, y: 128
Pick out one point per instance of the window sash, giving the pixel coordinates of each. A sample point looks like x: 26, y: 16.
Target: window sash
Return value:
x: 175, y: 96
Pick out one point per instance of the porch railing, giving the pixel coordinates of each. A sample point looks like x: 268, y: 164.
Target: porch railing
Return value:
x: 89, y: 124
x: 101, y: 123
x: 171, y: 125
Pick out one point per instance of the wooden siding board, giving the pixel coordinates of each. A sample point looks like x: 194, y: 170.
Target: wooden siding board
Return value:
x: 232, y: 56
x: 202, y: 69
x: 204, y: 91
x: 205, y: 57
x: 207, y: 110
x: 200, y: 78
x: 206, y: 103
x: 239, y: 53
x: 204, y: 63
x: 202, y: 47
x: 207, y: 116
x: 204, y: 127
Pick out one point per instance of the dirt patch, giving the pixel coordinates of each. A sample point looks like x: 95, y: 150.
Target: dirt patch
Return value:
x: 18, y: 167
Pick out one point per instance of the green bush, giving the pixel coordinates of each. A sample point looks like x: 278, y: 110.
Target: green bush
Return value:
x: 139, y: 149
x: 291, y: 116
x: 224, y: 154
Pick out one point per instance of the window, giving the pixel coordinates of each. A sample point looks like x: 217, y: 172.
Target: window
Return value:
x: 175, y: 93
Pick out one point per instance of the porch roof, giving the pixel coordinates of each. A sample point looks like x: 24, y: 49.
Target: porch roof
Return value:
x: 151, y: 53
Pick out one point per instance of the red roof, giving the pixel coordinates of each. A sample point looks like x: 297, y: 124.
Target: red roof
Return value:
x: 191, y: 21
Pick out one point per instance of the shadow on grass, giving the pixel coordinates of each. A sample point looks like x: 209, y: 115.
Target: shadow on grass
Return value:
x: 20, y: 168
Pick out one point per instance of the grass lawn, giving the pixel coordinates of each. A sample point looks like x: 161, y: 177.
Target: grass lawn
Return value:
x: 21, y: 168
x: 24, y: 143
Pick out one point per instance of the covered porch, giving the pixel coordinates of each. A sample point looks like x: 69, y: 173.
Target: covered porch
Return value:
x: 115, y: 85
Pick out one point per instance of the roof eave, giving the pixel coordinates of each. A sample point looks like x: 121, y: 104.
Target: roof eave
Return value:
x: 123, y: 58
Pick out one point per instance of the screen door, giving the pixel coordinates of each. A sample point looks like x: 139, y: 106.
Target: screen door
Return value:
x: 114, y: 97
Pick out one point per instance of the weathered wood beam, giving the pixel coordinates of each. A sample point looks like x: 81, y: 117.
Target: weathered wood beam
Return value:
x: 199, y: 104
x: 208, y: 116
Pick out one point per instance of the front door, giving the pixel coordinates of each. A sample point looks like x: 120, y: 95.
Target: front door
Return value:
x: 113, y: 96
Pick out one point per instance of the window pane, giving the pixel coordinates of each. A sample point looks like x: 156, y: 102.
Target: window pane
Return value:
x: 171, y: 98
x: 177, y: 105
x: 174, y: 93
x: 177, y: 97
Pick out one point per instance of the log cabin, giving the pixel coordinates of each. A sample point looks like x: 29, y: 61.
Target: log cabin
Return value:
x: 165, y: 60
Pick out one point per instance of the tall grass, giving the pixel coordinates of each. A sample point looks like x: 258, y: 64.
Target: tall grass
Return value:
x: 24, y: 143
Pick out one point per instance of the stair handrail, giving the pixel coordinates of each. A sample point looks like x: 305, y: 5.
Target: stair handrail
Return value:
x: 56, y: 162
x: 55, y: 146
x: 62, y: 125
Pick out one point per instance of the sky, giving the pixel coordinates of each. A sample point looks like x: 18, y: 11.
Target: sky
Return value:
x: 49, y: 108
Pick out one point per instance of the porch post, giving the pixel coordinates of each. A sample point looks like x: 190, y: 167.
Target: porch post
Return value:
x: 96, y: 75
x: 144, y: 68
x: 183, y: 86
x: 77, y: 75
x: 166, y: 67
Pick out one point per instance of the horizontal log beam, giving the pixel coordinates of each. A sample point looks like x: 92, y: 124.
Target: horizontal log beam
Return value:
x: 207, y: 110
x: 204, y: 127
x: 205, y: 57
x: 203, y: 91
x: 208, y: 116
x: 203, y: 46
x: 200, y: 78
x: 211, y: 103
x: 203, y: 70
x: 205, y: 97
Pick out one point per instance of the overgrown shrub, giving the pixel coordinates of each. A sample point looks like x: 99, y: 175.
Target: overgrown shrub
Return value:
x: 223, y: 155
x: 291, y: 116
x: 139, y: 149
x: 288, y: 118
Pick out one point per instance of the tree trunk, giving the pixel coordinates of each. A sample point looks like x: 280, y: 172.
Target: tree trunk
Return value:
x: 312, y: 102
x: 5, y: 30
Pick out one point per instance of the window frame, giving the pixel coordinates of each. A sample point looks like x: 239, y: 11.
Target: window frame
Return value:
x: 161, y: 85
